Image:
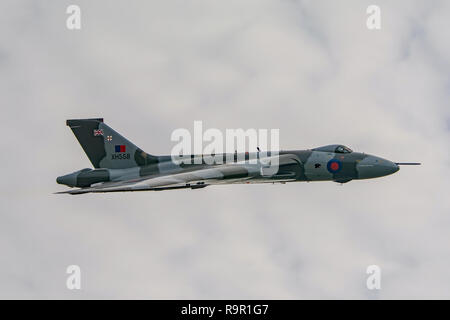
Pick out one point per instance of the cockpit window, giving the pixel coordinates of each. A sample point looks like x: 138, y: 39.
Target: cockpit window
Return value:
x: 343, y: 149
x: 348, y: 150
x: 337, y: 148
x: 340, y: 149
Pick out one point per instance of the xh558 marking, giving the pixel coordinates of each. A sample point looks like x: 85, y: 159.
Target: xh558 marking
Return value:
x: 122, y: 166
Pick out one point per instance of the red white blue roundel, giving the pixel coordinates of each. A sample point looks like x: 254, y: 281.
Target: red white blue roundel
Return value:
x: 334, y: 166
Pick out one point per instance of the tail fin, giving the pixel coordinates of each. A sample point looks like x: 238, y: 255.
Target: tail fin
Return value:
x: 105, y: 147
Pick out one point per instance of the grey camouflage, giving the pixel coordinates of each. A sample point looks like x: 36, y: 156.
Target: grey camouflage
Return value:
x: 119, y: 165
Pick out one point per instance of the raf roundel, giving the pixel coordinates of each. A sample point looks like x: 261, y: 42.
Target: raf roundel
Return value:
x: 334, y: 166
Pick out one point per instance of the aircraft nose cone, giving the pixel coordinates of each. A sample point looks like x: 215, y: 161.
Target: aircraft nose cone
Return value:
x: 374, y: 167
x: 395, y: 167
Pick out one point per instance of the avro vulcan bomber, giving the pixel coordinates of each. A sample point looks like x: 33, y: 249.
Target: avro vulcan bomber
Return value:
x: 119, y: 165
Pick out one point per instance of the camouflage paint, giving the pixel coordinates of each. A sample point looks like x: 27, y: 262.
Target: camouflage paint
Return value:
x: 134, y: 169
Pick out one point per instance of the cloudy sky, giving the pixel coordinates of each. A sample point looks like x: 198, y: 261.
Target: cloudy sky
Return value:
x: 309, y: 68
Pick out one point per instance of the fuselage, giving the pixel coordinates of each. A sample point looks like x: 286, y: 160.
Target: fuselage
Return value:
x: 330, y: 163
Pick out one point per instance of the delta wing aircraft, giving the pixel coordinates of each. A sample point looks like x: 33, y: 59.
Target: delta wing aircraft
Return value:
x: 119, y: 165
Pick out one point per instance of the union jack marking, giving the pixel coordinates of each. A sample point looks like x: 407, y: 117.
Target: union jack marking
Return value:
x: 98, y: 132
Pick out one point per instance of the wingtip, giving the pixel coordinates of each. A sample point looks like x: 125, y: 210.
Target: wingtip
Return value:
x: 408, y: 163
x: 61, y: 192
x: 72, y: 192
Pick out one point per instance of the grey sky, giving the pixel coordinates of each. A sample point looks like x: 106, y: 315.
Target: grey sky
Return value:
x: 310, y: 68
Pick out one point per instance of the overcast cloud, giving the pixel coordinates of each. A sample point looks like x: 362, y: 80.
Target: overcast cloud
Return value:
x: 309, y: 68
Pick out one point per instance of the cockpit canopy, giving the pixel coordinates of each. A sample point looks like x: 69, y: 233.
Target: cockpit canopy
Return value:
x: 336, y: 148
